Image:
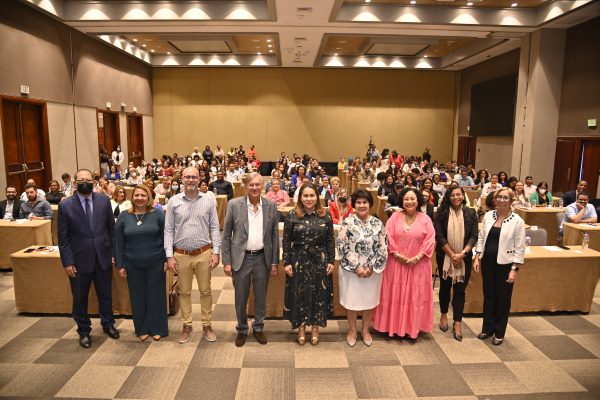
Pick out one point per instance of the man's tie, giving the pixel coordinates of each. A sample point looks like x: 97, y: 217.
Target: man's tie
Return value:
x: 88, y: 212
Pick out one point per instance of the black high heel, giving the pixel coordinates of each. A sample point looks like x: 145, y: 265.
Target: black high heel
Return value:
x: 444, y: 328
x: 457, y: 337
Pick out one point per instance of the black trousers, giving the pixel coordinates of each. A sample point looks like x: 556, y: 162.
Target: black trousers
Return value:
x: 80, y: 288
x: 497, y: 294
x: 148, y: 300
x: 458, y: 300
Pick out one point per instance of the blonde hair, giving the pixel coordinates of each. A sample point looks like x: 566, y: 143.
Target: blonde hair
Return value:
x: 299, y: 208
x: 511, y: 194
x: 150, y: 206
x: 115, y: 194
x: 334, y: 179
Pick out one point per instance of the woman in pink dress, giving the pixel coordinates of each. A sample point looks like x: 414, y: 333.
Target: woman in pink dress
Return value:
x: 406, y: 305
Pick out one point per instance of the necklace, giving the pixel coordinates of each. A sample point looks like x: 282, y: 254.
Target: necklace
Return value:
x: 409, y: 224
x: 139, y: 219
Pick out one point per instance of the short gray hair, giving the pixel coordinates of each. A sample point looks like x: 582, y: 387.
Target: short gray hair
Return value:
x: 251, y: 176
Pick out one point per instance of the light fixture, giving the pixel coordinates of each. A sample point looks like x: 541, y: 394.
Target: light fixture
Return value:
x: 168, y: 52
x: 257, y: 53
x: 413, y: 2
x: 270, y: 51
x: 367, y: 1
x: 270, y: 45
x: 152, y: 51
x: 335, y: 54
x: 268, y: 40
x: 135, y: 40
x: 514, y: 5
x: 143, y: 45
x: 254, y: 40
x: 338, y: 48
x: 469, y: 4
x: 425, y: 56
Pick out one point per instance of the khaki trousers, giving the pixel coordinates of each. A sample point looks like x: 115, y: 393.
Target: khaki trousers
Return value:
x: 188, y: 267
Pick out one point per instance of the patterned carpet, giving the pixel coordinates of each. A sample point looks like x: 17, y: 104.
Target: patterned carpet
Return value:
x: 545, y: 356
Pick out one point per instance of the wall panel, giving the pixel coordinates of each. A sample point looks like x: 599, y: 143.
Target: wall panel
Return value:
x: 326, y: 113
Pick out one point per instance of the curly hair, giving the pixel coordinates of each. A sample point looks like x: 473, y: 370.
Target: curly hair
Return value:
x: 443, y: 211
x: 420, y: 201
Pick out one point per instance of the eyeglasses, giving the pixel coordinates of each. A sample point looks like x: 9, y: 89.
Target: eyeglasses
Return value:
x: 255, y: 185
x: 190, y: 177
x: 84, y: 181
x: 502, y: 198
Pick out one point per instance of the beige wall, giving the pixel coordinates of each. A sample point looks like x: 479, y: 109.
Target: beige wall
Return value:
x: 494, y: 153
x: 325, y: 113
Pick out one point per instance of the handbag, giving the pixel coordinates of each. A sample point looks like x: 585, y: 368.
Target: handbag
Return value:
x: 174, y: 299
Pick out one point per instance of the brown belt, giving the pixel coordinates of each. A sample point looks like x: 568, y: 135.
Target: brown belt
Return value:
x: 192, y: 253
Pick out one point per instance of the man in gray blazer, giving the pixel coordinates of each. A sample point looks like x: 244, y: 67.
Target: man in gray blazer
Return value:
x: 250, y: 250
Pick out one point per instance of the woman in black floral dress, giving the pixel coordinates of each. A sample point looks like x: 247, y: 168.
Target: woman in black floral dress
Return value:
x: 308, y: 256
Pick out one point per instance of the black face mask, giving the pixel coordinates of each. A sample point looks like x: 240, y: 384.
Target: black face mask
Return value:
x: 85, y: 187
x: 343, y: 200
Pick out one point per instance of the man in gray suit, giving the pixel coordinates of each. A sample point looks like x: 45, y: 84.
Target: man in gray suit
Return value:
x: 250, y: 249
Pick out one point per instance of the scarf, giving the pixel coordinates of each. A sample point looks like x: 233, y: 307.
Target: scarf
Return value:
x: 456, y: 237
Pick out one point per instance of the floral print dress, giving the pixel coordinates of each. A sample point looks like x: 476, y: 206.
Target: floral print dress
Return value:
x: 308, y: 246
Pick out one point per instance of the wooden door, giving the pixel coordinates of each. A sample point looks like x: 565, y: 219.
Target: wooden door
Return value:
x: 590, y: 165
x: 467, y: 148
x: 135, y: 139
x: 108, y: 130
x: 26, y: 142
x: 566, y: 164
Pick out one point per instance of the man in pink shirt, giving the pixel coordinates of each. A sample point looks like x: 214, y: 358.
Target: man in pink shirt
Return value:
x: 529, y: 186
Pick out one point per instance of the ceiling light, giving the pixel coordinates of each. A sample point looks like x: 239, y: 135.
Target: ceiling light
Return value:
x: 469, y: 4
x: 152, y: 51
x: 514, y: 5
x: 270, y: 51
x: 254, y: 40
x: 257, y: 53
x: 413, y: 2
x: 335, y: 54
x: 268, y: 40
x: 338, y: 48
x: 270, y: 45
x: 143, y: 45
x: 135, y: 40
x: 425, y: 56
x: 367, y: 1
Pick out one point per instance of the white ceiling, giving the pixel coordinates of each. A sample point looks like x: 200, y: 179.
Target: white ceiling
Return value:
x: 300, y: 33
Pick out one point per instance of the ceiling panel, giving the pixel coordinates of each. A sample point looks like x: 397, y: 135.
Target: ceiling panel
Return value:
x: 201, y: 46
x: 395, y: 49
x: 484, y: 3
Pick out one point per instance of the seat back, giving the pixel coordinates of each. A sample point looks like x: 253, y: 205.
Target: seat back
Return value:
x: 538, y: 237
x: 559, y: 220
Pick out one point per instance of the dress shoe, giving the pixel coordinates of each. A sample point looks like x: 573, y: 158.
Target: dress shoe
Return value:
x: 112, y: 332
x: 444, y: 328
x: 156, y: 337
x: 483, y: 336
x: 143, y: 337
x: 85, y: 341
x: 209, y: 334
x: 260, y: 337
x: 457, y: 337
x: 368, y: 342
x: 240, y: 339
x: 497, y: 342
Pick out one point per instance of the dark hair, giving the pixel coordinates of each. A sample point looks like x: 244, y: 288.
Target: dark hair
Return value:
x: 298, y: 169
x: 411, y: 178
x: 487, y: 176
x: 505, y: 176
x: 415, y: 171
x: 444, y: 209
x: 418, y: 194
x: 540, y: 184
x: 30, y: 186
x: 84, y: 169
x: 11, y: 186
x: 468, y: 162
x: 583, y: 194
x: 425, y: 180
x: 362, y: 194
x: 381, y: 176
x: 489, y: 201
x: 384, y: 153
x: 65, y: 176
x: 399, y: 185
x: 511, y: 180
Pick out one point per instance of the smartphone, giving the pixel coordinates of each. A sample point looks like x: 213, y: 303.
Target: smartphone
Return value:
x: 41, y: 248
x: 29, y: 251
x: 564, y: 247
x: 591, y: 224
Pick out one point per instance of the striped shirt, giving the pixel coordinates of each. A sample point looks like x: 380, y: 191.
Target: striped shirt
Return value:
x: 188, y: 223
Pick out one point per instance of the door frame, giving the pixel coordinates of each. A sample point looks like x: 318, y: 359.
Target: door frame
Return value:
x: 127, y: 115
x: 576, y: 170
x: 45, y: 130
x: 106, y: 111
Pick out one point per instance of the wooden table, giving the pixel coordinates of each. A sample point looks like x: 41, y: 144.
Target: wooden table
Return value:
x: 161, y: 199
x: 381, y: 202
x: 221, y: 209
x: 473, y: 195
x: 238, y: 189
x: 276, y: 292
x: 573, y: 235
x: 16, y: 236
x: 548, y: 281
x: 41, y: 286
x: 354, y: 187
x: 543, y: 217
x: 285, y: 210
x: 373, y: 209
x: 53, y: 225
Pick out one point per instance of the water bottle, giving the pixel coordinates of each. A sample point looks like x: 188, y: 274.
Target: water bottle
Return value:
x: 561, y: 203
x: 215, y: 192
x: 527, y: 244
x: 586, y: 241
x: 533, y: 203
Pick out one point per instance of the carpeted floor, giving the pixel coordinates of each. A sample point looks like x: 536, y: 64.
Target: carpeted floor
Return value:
x: 545, y: 356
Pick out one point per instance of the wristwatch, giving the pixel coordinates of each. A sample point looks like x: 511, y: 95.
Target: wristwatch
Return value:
x: 515, y: 268
x: 465, y: 253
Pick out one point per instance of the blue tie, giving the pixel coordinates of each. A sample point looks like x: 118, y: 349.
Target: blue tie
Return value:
x: 88, y: 212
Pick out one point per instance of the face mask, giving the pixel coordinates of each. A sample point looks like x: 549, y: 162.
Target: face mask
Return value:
x: 393, y: 165
x: 175, y: 187
x: 85, y: 187
x: 428, y: 171
x: 542, y: 191
x: 118, y: 149
x: 342, y: 160
x: 343, y: 200
x: 133, y: 175
x: 159, y: 164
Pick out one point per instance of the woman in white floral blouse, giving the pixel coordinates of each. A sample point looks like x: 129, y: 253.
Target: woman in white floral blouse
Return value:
x: 362, y: 248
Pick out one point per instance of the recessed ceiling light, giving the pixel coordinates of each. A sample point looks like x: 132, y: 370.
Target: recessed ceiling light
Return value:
x: 270, y: 51
x: 143, y: 45
x: 135, y: 40
x: 254, y: 40
x: 168, y: 52
x: 367, y: 1
x: 257, y: 53
x: 270, y: 45
x: 335, y: 54
x: 338, y: 48
x: 413, y: 2
x: 469, y: 4
x: 514, y: 5
x: 152, y: 51
x: 268, y: 40
x: 425, y: 56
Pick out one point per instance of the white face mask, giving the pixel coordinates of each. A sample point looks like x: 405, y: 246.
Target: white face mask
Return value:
x: 542, y: 191
x: 393, y: 165
x: 133, y: 175
x: 175, y: 187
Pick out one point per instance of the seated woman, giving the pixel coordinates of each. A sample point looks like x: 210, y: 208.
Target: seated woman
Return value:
x: 437, y: 186
x: 394, y: 198
x: 332, y: 193
x: 482, y: 178
x: 54, y: 196
x: 427, y: 184
x: 387, y: 186
x: 511, y: 182
x: 410, y: 181
x: 399, y: 176
x: 113, y: 175
x: 427, y: 208
x: 444, y: 176
x: 164, y: 188
x: 488, y: 205
x: 491, y: 186
x: 301, y: 173
x: 119, y: 201
x: 340, y: 209
x: 134, y: 179
x: 541, y: 196
x: 521, y: 199
x: 502, y: 178
x: 204, y: 189
x: 167, y: 170
x: 280, y: 197
x: 325, y: 186
x: 175, y: 190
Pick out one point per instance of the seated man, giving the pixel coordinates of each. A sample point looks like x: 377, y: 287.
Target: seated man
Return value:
x: 11, y: 207
x: 571, y: 196
x: 67, y: 186
x: 239, y: 168
x: 35, y: 208
x: 40, y: 192
x: 581, y: 211
x: 366, y: 175
x: 465, y: 180
x: 222, y: 186
x: 233, y: 174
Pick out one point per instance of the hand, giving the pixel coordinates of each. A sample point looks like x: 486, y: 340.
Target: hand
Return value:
x: 288, y: 270
x: 476, y: 264
x: 512, y: 276
x: 166, y: 266
x: 402, y: 258
x: 123, y: 273
x: 227, y: 269
x: 579, y: 206
x: 274, y: 269
x: 412, y: 261
x: 172, y: 264
x: 368, y: 272
x: 329, y: 269
x: 113, y: 260
x: 360, y: 272
x: 214, y: 261
x: 457, y: 258
x: 71, y: 271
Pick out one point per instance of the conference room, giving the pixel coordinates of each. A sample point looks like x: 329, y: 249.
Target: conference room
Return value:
x: 425, y: 175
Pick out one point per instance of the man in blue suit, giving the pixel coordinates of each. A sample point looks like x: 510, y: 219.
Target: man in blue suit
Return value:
x: 86, y: 239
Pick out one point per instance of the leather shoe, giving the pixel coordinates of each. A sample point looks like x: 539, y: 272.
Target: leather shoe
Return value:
x: 240, y: 340
x: 85, y: 341
x: 112, y: 332
x: 260, y: 337
x: 483, y: 336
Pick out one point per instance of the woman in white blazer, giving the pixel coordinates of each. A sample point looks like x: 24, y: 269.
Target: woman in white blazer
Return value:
x: 501, y: 244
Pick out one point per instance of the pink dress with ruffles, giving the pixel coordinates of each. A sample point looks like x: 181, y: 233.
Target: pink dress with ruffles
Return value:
x: 406, y: 303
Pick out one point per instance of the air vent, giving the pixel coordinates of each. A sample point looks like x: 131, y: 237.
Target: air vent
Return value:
x: 304, y: 9
x: 300, y: 39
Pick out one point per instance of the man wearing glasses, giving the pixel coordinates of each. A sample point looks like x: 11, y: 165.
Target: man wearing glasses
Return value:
x: 251, y: 253
x: 581, y: 211
x: 190, y: 223
x: 86, y: 239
